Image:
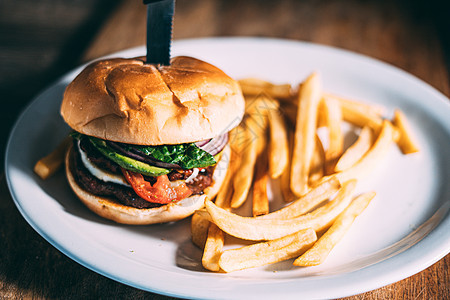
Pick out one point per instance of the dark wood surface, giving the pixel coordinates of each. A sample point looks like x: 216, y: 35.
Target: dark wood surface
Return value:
x: 40, y: 40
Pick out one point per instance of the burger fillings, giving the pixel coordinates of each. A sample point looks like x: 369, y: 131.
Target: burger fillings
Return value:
x: 135, y: 162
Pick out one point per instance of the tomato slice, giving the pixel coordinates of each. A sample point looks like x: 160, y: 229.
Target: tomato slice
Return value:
x: 163, y: 191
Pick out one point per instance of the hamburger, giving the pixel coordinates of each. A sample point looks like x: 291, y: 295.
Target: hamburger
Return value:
x: 150, y: 142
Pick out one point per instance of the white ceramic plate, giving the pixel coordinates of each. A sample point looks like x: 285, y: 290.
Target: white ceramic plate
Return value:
x: 405, y: 229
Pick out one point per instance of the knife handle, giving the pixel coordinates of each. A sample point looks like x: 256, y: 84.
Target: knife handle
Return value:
x: 151, y: 1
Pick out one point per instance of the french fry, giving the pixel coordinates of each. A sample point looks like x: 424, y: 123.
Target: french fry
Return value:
x: 359, y: 105
x: 333, y: 120
x: 407, y: 142
x: 255, y: 86
x: 242, y: 180
x: 369, y: 161
x: 285, y: 186
x: 289, y: 111
x: 257, y: 112
x: 224, y: 195
x: 256, y: 229
x: 309, y: 98
x: 316, y: 171
x: 355, y: 112
x: 360, y: 114
x: 322, y: 248
x: 356, y: 151
x: 362, y: 119
x: 238, y: 140
x: 214, y: 237
x: 258, y: 116
x: 321, y: 117
x: 285, y: 180
x: 260, y: 198
x: 213, y: 248
x: 264, y: 253
x: 199, y: 229
x: 278, y: 145
x: 48, y: 165
x: 304, y: 204
x: 254, y: 134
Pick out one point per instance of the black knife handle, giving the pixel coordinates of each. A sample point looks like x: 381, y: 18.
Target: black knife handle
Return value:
x: 151, y: 1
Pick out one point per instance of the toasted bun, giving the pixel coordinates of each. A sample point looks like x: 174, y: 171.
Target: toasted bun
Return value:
x: 125, y: 100
x: 109, y: 209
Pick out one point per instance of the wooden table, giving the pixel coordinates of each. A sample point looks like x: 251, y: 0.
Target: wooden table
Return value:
x: 406, y: 34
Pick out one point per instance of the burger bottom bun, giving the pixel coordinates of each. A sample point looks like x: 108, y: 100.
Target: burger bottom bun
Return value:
x: 110, y: 209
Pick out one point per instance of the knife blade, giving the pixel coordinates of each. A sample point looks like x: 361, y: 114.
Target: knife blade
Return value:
x: 159, y: 30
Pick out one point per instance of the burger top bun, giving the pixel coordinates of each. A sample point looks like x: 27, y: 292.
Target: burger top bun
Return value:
x: 125, y: 100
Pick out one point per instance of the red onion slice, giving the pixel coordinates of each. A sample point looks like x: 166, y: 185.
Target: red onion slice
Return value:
x: 202, y: 143
x: 214, y: 145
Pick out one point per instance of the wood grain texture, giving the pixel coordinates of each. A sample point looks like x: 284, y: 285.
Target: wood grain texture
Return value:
x: 408, y: 34
x: 40, y: 41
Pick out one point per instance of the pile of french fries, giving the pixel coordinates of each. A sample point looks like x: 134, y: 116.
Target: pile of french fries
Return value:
x: 278, y: 139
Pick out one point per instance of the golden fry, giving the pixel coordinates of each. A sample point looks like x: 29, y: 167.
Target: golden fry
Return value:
x: 255, y: 86
x: 199, y: 229
x: 257, y: 131
x: 214, y: 237
x: 360, y: 119
x: 353, y: 111
x: 360, y: 114
x: 316, y: 171
x: 213, y: 248
x: 358, y: 105
x: 309, y: 99
x: 253, y: 134
x: 370, y: 160
x: 257, y: 111
x: 242, y: 180
x: 256, y: 229
x: 289, y: 111
x: 285, y: 186
x: 238, y: 140
x: 285, y: 180
x: 278, y: 144
x: 264, y: 253
x: 223, y: 198
x: 406, y: 141
x: 304, y: 204
x: 48, y: 165
x: 260, y: 198
x: 319, y: 252
x: 356, y: 151
x: 333, y: 120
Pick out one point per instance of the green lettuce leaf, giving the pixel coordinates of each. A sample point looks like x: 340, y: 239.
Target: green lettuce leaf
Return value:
x: 187, y: 156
